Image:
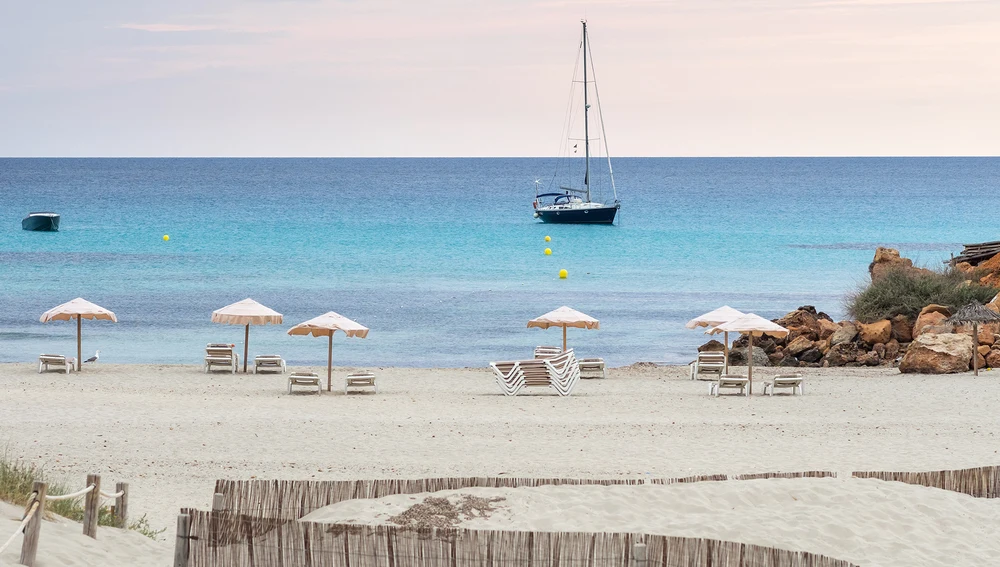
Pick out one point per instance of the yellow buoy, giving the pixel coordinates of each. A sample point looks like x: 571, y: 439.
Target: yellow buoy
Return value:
x: 563, y: 274
x: 166, y: 237
x: 548, y: 251
x: 548, y: 239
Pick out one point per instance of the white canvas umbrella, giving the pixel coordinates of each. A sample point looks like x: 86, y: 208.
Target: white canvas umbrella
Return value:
x: 247, y: 312
x: 715, y: 318
x: 325, y: 326
x: 565, y: 317
x: 79, y: 308
x: 752, y: 326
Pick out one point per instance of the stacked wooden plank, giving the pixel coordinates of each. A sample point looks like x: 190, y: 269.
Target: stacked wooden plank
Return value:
x: 976, y: 253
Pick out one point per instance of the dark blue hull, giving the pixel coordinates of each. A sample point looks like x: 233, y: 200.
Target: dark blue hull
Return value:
x: 601, y: 215
x: 41, y: 223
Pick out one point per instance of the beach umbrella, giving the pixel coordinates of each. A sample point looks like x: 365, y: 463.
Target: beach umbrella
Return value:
x: 80, y: 309
x: 752, y: 326
x: 325, y: 326
x: 974, y: 313
x: 715, y: 318
x: 247, y: 312
x: 565, y: 317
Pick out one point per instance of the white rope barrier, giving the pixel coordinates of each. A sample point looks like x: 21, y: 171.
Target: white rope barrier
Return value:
x: 20, y: 528
x: 115, y: 495
x: 76, y: 494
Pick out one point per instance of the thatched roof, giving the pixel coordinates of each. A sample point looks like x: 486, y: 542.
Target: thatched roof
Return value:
x: 974, y: 312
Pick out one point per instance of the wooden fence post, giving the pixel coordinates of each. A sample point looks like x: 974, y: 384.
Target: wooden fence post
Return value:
x: 29, y: 546
x: 182, y: 546
x: 639, y: 555
x: 217, y: 501
x: 91, y: 504
x: 121, y: 505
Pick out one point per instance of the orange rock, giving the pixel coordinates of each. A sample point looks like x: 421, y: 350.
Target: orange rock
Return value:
x: 887, y: 260
x: 993, y: 359
x: 984, y: 349
x: 827, y: 328
x: 935, y: 308
x: 938, y: 354
x: 877, y: 332
x: 927, y: 320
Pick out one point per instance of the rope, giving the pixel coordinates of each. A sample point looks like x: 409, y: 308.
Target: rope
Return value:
x: 115, y: 495
x: 76, y: 494
x: 20, y: 528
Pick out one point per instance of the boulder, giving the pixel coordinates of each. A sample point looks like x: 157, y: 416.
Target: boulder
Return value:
x: 873, y: 333
x: 986, y: 332
x: 993, y: 359
x: 789, y: 361
x: 811, y: 355
x: 804, y: 316
x: 845, y: 334
x: 712, y: 346
x: 776, y: 357
x: 801, y: 343
x: 964, y: 267
x: 795, y: 332
x: 980, y: 361
x: 929, y: 319
x: 943, y: 329
x: 891, y: 351
x: 991, y: 270
x: 888, y: 260
x: 841, y: 354
x: 938, y: 354
x: 879, y: 350
x: 935, y: 308
x: 902, y: 328
x: 738, y: 357
x: 869, y: 358
x: 983, y: 349
x: 827, y: 328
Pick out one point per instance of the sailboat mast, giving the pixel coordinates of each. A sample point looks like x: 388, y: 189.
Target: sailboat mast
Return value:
x: 586, y: 111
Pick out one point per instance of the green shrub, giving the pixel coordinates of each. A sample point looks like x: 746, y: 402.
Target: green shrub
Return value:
x: 901, y: 292
x: 17, y: 478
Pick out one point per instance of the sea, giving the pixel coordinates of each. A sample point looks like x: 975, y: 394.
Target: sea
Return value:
x: 442, y: 259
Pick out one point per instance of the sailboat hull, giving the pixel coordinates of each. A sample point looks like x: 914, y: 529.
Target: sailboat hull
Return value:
x: 593, y: 215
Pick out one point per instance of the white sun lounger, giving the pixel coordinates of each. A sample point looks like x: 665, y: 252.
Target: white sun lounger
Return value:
x: 732, y: 382
x: 223, y: 355
x: 594, y: 366
x: 710, y: 364
x: 360, y: 380
x: 268, y: 363
x: 561, y: 373
x: 309, y: 379
x: 793, y: 381
x: 56, y: 361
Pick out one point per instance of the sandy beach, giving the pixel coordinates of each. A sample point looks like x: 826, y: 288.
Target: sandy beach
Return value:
x: 171, y: 431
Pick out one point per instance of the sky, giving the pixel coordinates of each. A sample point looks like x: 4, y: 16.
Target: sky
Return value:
x: 346, y: 78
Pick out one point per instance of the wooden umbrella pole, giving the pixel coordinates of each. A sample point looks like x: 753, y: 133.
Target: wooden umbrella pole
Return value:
x: 564, y: 338
x: 329, y: 365
x: 79, y: 347
x: 246, y: 347
x: 975, y: 348
x: 750, y: 363
x: 725, y: 349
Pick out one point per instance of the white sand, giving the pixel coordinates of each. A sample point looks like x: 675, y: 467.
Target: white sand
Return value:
x: 866, y: 521
x: 171, y: 431
x: 61, y: 543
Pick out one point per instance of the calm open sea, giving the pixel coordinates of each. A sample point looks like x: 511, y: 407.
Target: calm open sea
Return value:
x: 441, y: 257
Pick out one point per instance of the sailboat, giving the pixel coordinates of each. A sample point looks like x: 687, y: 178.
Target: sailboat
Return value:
x: 576, y: 205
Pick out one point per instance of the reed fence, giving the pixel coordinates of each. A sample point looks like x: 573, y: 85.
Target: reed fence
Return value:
x: 981, y: 482
x: 223, y: 538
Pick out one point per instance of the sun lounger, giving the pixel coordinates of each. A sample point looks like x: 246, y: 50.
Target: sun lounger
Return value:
x: 592, y: 365
x: 710, y: 364
x: 561, y: 373
x: 309, y: 379
x: 547, y: 351
x: 730, y: 381
x: 268, y: 363
x: 56, y: 361
x: 223, y: 355
x: 360, y: 380
x: 793, y: 381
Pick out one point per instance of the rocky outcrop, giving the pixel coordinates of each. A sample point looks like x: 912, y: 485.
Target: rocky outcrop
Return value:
x: 874, y: 333
x: 738, y: 357
x: 938, y: 354
x: 712, y: 346
x: 888, y: 260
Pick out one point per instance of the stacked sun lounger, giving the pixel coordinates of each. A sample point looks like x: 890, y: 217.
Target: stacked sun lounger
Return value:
x: 561, y: 373
x: 595, y: 366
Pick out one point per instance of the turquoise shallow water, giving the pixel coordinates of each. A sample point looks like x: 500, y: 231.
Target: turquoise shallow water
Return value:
x: 441, y: 257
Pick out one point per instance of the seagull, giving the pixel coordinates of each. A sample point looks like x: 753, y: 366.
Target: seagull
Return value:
x: 94, y: 358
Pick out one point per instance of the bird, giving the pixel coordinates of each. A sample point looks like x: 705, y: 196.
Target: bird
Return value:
x: 94, y: 358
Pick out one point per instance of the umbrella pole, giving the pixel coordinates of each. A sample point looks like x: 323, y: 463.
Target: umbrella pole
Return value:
x: 975, y: 348
x: 564, y: 338
x: 750, y: 363
x: 726, y: 350
x: 329, y: 365
x: 79, y: 350
x: 246, y: 347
